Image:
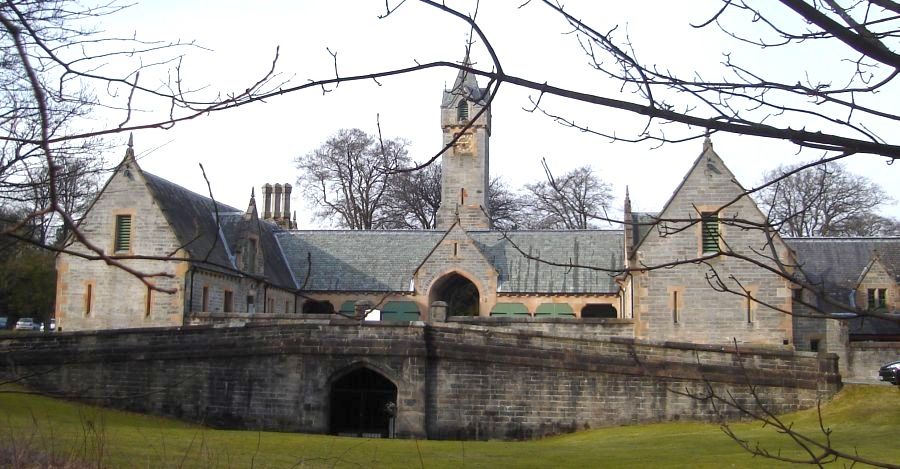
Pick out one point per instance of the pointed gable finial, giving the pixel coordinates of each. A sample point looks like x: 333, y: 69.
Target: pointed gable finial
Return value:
x: 252, y: 193
x: 129, y: 152
x: 707, y: 142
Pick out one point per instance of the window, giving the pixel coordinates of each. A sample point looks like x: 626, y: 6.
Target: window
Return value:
x: 749, y: 306
x: 287, y: 306
x: 204, y: 301
x: 877, y: 298
x: 709, y: 226
x: 814, y: 345
x: 251, y: 304
x: 123, y: 233
x: 88, y: 299
x: 148, y: 303
x: 270, y: 305
x: 676, y: 315
x: 676, y: 302
x: 229, y: 302
x: 462, y: 111
x: 250, y: 266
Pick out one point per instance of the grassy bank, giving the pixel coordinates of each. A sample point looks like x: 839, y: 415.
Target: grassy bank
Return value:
x: 863, y: 418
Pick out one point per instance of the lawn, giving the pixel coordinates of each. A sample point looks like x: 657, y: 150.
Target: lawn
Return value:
x: 863, y: 418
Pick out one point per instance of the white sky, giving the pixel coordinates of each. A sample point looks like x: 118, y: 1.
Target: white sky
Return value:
x: 256, y: 144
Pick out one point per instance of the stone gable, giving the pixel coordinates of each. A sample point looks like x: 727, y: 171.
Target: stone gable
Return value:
x: 117, y: 298
x: 682, y: 302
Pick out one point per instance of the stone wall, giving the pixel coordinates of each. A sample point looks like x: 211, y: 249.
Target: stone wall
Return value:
x: 865, y: 358
x: 453, y: 380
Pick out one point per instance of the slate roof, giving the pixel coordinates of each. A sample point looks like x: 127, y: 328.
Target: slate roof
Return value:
x: 193, y: 219
x: 602, y: 250
x: 836, y: 263
x: 347, y: 260
x: 641, y: 224
x: 354, y: 260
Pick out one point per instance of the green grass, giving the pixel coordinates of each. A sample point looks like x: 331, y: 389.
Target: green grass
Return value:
x: 863, y: 418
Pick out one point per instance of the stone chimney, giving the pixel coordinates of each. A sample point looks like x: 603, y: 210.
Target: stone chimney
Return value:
x: 287, y: 202
x: 267, y: 201
x: 277, y: 199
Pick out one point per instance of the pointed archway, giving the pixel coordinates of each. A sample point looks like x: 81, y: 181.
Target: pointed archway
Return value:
x: 460, y: 294
x: 363, y: 403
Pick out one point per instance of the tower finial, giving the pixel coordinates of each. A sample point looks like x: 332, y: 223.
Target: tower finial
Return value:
x: 130, y: 140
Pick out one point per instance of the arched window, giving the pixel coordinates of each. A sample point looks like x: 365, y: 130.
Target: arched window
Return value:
x: 460, y: 294
x: 462, y: 111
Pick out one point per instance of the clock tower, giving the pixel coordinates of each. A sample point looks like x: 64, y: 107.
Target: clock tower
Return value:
x: 464, y: 167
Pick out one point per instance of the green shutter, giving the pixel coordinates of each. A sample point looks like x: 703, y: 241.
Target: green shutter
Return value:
x: 710, y: 226
x: 554, y: 309
x: 509, y: 309
x: 348, y: 307
x: 123, y: 233
x: 400, y: 311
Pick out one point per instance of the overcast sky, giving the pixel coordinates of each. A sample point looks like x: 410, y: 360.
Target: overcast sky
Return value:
x: 256, y: 144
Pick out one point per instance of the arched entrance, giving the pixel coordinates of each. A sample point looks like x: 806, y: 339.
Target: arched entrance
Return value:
x: 460, y: 294
x: 363, y: 403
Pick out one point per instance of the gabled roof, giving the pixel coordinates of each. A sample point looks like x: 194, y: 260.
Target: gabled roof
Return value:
x: 193, y: 220
x: 837, y: 263
x: 386, y: 260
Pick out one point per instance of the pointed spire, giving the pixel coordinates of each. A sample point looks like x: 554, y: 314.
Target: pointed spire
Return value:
x: 465, y: 85
x: 251, y: 207
x: 707, y: 143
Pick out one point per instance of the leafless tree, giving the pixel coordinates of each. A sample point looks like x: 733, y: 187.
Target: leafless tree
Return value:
x: 349, y: 178
x: 414, y: 199
x: 576, y: 200
x: 825, y: 200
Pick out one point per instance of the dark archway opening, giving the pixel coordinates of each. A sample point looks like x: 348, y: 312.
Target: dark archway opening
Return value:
x: 460, y: 294
x: 363, y: 403
x: 596, y: 310
x: 318, y: 307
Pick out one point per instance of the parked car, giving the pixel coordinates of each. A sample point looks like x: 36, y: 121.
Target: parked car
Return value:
x: 25, y: 324
x: 3, y: 322
x: 890, y: 372
x: 52, y: 325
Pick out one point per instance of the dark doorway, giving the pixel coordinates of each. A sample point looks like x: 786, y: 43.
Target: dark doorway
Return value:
x: 318, y: 307
x: 460, y: 294
x: 598, y: 310
x: 363, y: 403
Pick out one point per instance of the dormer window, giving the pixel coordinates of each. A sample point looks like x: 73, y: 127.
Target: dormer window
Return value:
x: 462, y: 111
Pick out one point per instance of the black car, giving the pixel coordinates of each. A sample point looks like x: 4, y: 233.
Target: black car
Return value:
x: 890, y: 372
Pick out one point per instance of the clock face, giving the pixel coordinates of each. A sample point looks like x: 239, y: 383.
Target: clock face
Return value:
x: 465, y: 144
